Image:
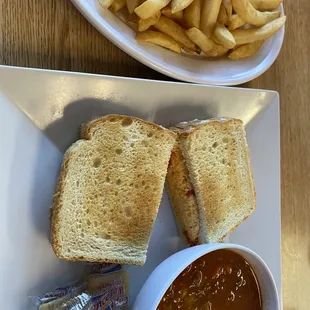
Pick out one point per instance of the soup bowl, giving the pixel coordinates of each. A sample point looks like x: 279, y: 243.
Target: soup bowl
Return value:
x: 162, y: 277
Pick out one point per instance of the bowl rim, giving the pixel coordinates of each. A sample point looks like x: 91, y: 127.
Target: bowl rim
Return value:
x: 200, y: 251
x: 104, y: 27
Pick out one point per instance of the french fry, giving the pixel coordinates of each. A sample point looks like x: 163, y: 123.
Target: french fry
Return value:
x: 223, y: 36
x: 133, y: 18
x: 145, y: 24
x: 209, y: 14
x: 131, y: 5
x: 175, y: 31
x: 105, y: 3
x: 117, y: 5
x: 177, y: 17
x: 217, y: 51
x: 192, y: 14
x: 228, y: 8
x: 222, y: 17
x: 207, y: 45
x: 215, y: 41
x: 252, y: 16
x: 179, y: 5
x: 188, y: 51
x: 235, y: 22
x: 150, y: 7
x: 200, y: 39
x: 244, y: 36
x: 265, y: 5
x: 246, y: 50
x: 158, y: 38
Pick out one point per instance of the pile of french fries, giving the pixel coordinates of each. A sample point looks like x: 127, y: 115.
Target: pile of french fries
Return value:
x: 237, y: 28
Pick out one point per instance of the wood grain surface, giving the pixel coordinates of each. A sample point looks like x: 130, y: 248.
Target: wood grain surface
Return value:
x: 52, y: 34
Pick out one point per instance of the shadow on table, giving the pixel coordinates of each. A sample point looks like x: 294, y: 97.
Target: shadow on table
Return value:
x: 65, y: 131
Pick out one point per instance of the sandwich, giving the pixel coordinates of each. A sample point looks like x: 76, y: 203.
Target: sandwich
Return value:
x: 109, y: 190
x: 209, y: 179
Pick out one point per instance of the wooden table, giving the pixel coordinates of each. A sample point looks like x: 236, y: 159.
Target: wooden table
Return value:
x: 52, y: 34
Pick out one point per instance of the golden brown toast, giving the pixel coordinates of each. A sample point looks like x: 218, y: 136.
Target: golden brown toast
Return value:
x: 109, y: 190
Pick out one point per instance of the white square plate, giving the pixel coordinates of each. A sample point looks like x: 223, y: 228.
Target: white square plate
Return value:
x: 32, y: 147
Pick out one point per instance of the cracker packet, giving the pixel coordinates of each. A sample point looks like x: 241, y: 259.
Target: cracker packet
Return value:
x: 104, y: 288
x: 114, y: 284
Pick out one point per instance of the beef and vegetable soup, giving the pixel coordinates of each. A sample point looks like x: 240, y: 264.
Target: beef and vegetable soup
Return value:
x: 220, y: 280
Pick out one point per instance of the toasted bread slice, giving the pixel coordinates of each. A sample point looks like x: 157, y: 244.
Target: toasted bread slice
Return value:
x: 109, y: 190
x: 180, y: 189
x: 217, y: 159
x: 182, y: 197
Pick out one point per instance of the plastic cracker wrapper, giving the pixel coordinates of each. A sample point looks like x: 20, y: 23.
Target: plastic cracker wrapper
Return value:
x: 77, y: 302
x: 113, y: 287
x: 100, y: 291
x: 58, y: 295
x: 100, y: 302
x: 63, y: 291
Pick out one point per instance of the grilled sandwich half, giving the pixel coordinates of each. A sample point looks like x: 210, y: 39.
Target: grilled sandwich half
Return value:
x: 109, y: 190
x: 209, y: 178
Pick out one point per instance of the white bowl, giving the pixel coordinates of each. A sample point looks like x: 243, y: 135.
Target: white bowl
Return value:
x: 163, y: 276
x: 182, y: 67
